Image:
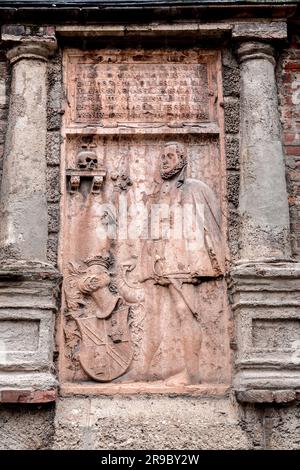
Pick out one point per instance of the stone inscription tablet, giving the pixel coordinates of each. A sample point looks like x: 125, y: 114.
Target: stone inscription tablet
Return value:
x: 141, y: 88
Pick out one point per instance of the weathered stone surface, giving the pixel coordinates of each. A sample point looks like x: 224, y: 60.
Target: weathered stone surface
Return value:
x: 231, y: 110
x: 52, y: 248
x: 27, y: 304
x: 28, y: 396
x: 148, y: 423
x: 53, y: 148
x: 266, y: 396
x: 55, y: 95
x: 53, y: 151
x: 233, y: 185
x: 266, y: 310
x: 26, y: 427
x: 145, y: 423
x: 52, y: 180
x: 53, y: 218
x: 18, y: 32
x: 275, y: 30
x: 284, y: 432
x: 173, y: 335
x: 231, y: 74
x: 268, y: 296
x: 232, y: 152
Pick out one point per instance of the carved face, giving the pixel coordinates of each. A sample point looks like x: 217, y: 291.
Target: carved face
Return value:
x: 172, y: 160
x: 169, y: 158
x: 87, y: 159
x: 94, y: 279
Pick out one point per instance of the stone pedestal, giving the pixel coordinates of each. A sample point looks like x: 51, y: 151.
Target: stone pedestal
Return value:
x: 267, y: 318
x: 28, y: 294
x: 28, y: 284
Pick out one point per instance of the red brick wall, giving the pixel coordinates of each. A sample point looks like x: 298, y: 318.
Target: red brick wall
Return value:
x: 289, y: 98
x: 4, y: 85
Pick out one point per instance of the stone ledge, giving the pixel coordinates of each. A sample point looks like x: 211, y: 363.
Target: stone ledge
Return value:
x: 28, y: 396
x: 22, y: 33
x: 275, y: 30
x: 28, y: 270
x: 151, y: 29
x: 266, y: 396
x: 143, y: 389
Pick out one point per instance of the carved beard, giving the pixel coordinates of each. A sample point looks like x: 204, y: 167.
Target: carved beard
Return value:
x: 176, y: 169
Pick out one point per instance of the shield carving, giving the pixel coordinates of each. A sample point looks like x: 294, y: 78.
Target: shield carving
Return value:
x: 106, y: 349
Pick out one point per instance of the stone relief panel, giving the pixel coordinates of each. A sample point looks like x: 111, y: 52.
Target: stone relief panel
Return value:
x: 143, y: 250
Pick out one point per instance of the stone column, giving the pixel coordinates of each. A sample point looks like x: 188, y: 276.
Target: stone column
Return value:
x: 264, y: 283
x: 263, y: 201
x: 28, y: 284
x: 23, y: 210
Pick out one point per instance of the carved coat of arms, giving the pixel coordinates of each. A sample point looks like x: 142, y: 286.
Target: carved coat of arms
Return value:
x: 105, y: 346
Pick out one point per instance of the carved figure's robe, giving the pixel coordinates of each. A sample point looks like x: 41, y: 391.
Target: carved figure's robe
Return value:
x: 186, y: 230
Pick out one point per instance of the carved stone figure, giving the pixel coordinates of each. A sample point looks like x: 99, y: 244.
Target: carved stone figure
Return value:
x: 176, y: 261
x: 156, y: 318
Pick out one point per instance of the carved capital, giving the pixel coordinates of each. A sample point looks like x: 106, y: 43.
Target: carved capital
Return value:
x: 255, y: 50
x: 32, y: 50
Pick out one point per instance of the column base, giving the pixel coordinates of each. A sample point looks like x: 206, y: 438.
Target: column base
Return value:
x: 266, y: 308
x: 28, y: 293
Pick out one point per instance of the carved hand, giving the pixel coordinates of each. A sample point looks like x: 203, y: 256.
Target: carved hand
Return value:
x: 162, y: 281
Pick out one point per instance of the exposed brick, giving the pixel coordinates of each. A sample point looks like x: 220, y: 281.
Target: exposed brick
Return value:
x: 291, y: 138
x: 289, y: 95
x: 28, y: 396
x: 292, y: 150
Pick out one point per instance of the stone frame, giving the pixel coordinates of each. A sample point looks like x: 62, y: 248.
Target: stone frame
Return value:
x: 261, y: 385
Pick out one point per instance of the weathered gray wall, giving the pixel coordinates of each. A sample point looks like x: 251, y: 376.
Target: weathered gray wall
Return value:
x: 149, y: 423
x: 231, y: 90
x: 54, y: 116
x: 26, y: 426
